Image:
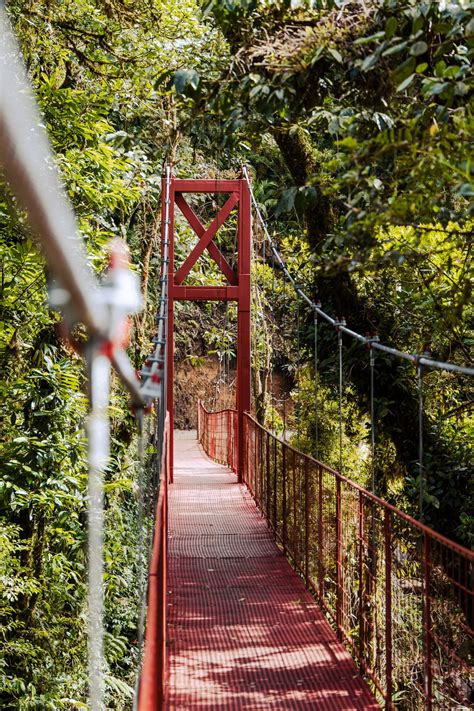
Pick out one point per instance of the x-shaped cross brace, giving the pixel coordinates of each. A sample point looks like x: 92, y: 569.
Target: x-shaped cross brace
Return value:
x: 205, y: 239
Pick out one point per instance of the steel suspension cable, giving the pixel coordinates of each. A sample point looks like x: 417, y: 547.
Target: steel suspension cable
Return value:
x: 414, y: 358
x: 98, y: 455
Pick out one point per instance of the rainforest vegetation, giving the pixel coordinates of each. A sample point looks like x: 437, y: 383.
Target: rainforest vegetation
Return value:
x: 355, y: 121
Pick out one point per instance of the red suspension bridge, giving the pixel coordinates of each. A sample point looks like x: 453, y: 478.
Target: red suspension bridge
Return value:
x: 274, y: 581
x: 238, y: 627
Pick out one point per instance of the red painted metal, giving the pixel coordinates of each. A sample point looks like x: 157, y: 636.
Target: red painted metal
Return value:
x: 244, y: 633
x: 388, y: 608
x: 204, y: 186
x: 200, y: 230
x: 205, y: 239
x: 427, y: 622
x: 238, y: 289
x: 203, y: 293
x: 154, y: 668
x: 400, y: 594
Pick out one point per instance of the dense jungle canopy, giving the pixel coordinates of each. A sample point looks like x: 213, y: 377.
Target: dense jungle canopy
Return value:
x: 355, y: 119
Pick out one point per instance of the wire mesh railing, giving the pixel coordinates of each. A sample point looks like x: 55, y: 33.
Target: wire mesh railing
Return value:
x: 217, y: 432
x: 398, y: 594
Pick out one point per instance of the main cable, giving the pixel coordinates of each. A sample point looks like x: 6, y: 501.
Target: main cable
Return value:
x: 416, y: 359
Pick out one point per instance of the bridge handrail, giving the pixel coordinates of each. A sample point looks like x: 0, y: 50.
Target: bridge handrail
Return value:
x: 154, y: 666
x: 457, y: 547
x: 399, y: 594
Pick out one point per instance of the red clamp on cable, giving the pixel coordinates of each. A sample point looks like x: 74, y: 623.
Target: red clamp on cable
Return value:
x: 107, y: 349
x: 155, y: 378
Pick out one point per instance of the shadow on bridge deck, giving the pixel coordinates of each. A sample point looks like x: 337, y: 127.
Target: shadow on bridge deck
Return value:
x: 243, y: 631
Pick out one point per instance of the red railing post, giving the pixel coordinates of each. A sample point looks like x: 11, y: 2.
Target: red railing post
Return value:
x: 339, y: 570
x: 243, y: 315
x: 295, y: 521
x: 284, y: 512
x: 275, y: 480
x: 361, y: 614
x: 306, y: 520
x: 267, y: 484
x: 427, y: 620
x: 228, y: 439
x: 388, y: 608
x: 320, y: 534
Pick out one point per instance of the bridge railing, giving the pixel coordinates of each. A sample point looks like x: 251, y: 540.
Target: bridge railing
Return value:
x: 154, y: 667
x: 217, y: 432
x: 399, y: 595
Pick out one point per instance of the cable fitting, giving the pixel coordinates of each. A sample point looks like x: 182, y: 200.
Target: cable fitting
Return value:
x: 371, y: 339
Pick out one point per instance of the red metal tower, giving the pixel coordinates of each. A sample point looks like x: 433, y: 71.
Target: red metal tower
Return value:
x: 237, y: 288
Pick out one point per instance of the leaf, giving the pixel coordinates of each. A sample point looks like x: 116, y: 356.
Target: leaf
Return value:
x: 433, y: 88
x: 391, y: 27
x: 335, y: 54
x: 406, y: 83
x: 370, y: 38
x: 418, y: 48
x: 395, y: 49
x: 404, y: 70
x: 369, y: 62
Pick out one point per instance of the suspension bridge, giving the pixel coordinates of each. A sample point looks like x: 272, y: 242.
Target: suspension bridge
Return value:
x: 273, y: 580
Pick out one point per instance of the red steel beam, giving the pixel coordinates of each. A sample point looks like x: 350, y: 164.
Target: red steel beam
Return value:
x: 205, y: 293
x: 243, y: 317
x: 206, y: 239
x: 212, y: 248
x: 206, y: 186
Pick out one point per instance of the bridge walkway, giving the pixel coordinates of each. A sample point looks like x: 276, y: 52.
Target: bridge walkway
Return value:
x: 244, y: 633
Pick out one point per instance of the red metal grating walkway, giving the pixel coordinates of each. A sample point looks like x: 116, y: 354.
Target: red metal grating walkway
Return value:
x: 243, y: 631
